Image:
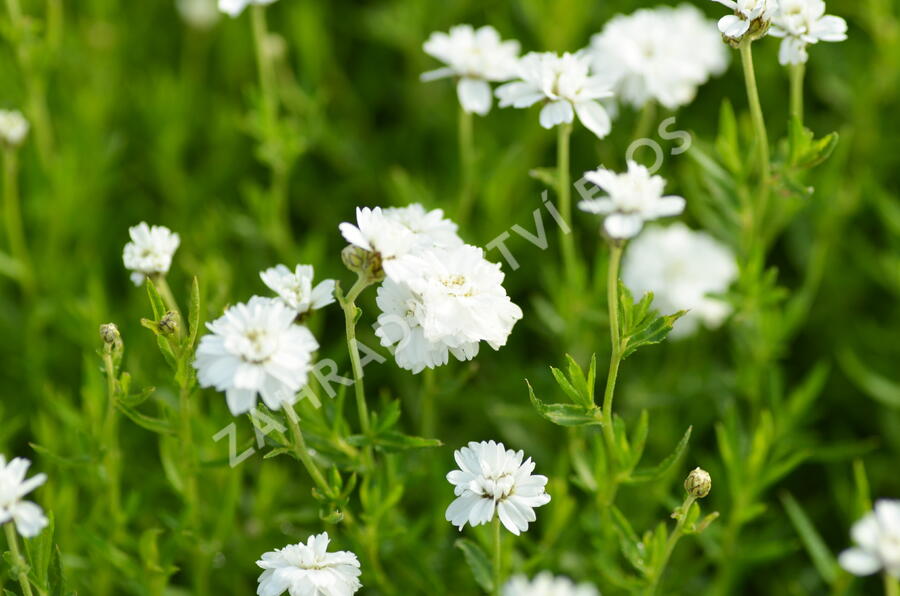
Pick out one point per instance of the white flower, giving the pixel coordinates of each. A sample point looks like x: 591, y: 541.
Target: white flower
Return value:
x: 682, y: 268
x: 877, y: 536
x: 150, y: 251
x: 375, y: 232
x: 660, y: 54
x: 255, y: 348
x: 758, y: 13
x: 235, y: 7
x: 565, y: 83
x: 476, y: 56
x: 429, y: 228
x: 28, y: 517
x: 545, y: 584
x: 295, y: 288
x: 200, y: 14
x: 493, y: 478
x: 444, y: 301
x: 13, y: 128
x: 633, y: 198
x: 309, y: 570
x: 802, y: 22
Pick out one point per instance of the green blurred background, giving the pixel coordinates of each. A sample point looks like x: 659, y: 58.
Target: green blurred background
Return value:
x: 151, y: 120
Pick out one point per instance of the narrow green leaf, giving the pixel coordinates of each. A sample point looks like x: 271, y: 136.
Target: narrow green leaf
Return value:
x: 157, y: 425
x: 156, y: 301
x: 649, y: 474
x: 478, y: 562
x: 546, y: 175
x: 879, y: 388
x: 564, y: 414
x: 822, y: 558
x: 639, y: 439
x: 566, y: 386
x: 628, y: 540
x: 193, y: 315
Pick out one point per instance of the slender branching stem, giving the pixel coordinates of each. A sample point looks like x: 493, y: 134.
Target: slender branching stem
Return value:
x: 112, y: 455
x: 615, y: 357
x: 466, y: 164
x: 891, y: 585
x: 302, y: 452
x: 348, y: 304
x: 18, y: 561
x: 759, y: 126
x: 12, y: 219
x: 674, y: 537
x: 564, y: 192
x: 797, y: 71
x: 498, y: 554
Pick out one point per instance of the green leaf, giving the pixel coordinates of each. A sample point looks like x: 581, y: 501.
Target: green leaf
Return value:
x: 805, y: 151
x: 478, y: 562
x: 546, y: 175
x: 393, y: 441
x: 157, y: 425
x: 640, y: 324
x: 156, y: 301
x: 649, y: 474
x: 628, y: 540
x: 879, y: 388
x: 727, y: 145
x: 166, y: 349
x: 564, y: 414
x: 639, y: 439
x: 822, y: 558
x: 39, y: 551
x: 193, y: 315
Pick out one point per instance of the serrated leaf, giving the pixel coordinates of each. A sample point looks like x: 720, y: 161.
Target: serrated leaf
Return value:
x: 167, y: 352
x: 649, y: 474
x: 136, y: 399
x: 566, y: 386
x: 478, y: 563
x: 156, y: 301
x: 628, y: 540
x: 193, y: 314
x: 822, y: 558
x: 564, y: 414
x: 157, y: 425
x: 392, y: 441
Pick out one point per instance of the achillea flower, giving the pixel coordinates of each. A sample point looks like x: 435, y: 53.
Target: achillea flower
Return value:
x: 804, y: 22
x: 477, y: 57
x: 545, y: 584
x: 13, y: 128
x: 492, y: 479
x: 685, y: 270
x: 751, y: 17
x: 234, y: 8
x: 633, y: 198
x: 662, y: 54
x: 444, y: 301
x: 429, y: 228
x: 295, y: 288
x: 27, y: 516
x: 150, y: 251
x: 566, y: 86
x: 386, y: 238
x: 309, y: 570
x: 256, y: 349
x: 877, y: 536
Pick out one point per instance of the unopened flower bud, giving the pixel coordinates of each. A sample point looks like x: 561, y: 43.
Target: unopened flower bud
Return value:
x: 109, y: 333
x: 698, y: 483
x: 168, y: 324
x: 363, y: 262
x: 13, y: 128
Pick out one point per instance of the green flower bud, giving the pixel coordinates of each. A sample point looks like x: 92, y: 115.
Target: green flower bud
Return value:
x: 698, y: 483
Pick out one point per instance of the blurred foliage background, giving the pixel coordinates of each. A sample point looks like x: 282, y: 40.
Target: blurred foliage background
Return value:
x: 150, y: 118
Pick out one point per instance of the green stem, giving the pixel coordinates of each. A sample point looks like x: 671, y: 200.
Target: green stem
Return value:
x: 466, y: 164
x: 797, y: 73
x: 302, y: 452
x: 15, y: 232
x: 645, y: 122
x: 891, y: 585
x: 264, y: 66
x: 428, y: 421
x: 674, y: 537
x: 348, y: 304
x: 762, y: 137
x: 615, y: 356
x: 498, y: 555
x: 18, y: 561
x: 112, y: 454
x: 564, y: 192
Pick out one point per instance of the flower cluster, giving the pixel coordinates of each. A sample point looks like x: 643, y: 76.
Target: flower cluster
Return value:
x: 476, y: 57
x: 493, y: 479
x: 440, y: 296
x: 877, y: 536
x: 150, y: 251
x: 662, y: 54
x: 13, y: 128
x: 295, y: 289
x: 545, y: 584
x: 309, y: 570
x: 632, y: 198
x: 565, y: 85
x: 685, y: 270
x: 28, y: 517
x: 751, y: 18
x: 804, y: 22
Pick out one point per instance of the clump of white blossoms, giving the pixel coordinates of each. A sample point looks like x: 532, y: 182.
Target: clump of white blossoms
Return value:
x: 545, y: 584
x: 567, y: 87
x: 662, y: 54
x: 235, y: 7
x: 295, y: 288
x: 632, y: 198
x: 492, y: 479
x: 477, y: 57
x: 28, y: 517
x: 877, y: 536
x: 804, y: 22
x: 309, y: 570
x: 685, y: 270
x: 150, y: 251
x: 444, y: 301
x: 13, y: 128
x: 751, y: 17
x: 256, y: 349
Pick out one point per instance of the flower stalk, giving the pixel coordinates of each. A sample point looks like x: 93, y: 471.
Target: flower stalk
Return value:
x: 891, y: 585
x: 302, y: 452
x: 498, y: 554
x: 759, y: 125
x: 112, y: 455
x: 681, y: 515
x: 565, y: 198
x: 466, y: 164
x: 351, y: 315
x: 12, y: 216
x: 18, y: 561
x: 615, y: 357
x: 797, y: 72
